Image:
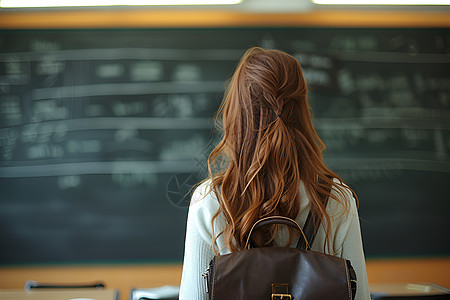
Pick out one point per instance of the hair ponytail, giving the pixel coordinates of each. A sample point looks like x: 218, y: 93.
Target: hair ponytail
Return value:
x: 269, y: 147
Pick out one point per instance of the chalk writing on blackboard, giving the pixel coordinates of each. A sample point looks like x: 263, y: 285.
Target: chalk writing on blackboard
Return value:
x: 96, y: 126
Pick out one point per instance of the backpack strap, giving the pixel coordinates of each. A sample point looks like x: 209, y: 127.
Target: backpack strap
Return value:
x: 311, y: 226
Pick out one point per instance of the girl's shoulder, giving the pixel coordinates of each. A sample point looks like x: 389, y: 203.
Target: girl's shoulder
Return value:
x: 344, y: 201
x: 204, y: 195
x: 203, y: 205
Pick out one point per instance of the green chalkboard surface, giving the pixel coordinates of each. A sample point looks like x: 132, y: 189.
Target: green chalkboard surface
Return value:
x: 103, y: 132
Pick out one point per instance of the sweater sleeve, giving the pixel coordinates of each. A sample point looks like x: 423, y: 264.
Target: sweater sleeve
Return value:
x: 348, y: 240
x: 352, y: 249
x: 198, y: 252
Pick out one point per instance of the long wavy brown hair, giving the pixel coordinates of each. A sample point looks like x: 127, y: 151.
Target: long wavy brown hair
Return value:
x: 269, y: 146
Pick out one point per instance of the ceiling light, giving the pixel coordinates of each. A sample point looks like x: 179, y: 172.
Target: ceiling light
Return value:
x: 382, y: 2
x: 64, y: 3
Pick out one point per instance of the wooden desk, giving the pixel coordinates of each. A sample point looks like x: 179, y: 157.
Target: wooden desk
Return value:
x: 408, y: 290
x: 59, y: 294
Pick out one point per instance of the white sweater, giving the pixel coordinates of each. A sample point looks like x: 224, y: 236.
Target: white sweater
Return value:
x: 198, y: 252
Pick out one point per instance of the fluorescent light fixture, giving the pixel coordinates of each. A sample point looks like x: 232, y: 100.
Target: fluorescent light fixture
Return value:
x: 382, y: 2
x: 65, y: 3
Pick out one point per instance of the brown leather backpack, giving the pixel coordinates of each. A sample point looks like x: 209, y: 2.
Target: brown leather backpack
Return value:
x: 275, y: 273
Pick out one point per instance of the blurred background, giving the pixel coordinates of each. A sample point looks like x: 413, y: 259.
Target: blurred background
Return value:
x: 106, y: 123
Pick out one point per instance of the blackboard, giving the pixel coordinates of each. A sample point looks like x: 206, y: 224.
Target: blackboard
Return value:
x: 103, y: 132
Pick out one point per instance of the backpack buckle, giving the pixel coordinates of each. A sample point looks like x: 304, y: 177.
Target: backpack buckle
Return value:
x: 280, y: 291
x: 281, y: 297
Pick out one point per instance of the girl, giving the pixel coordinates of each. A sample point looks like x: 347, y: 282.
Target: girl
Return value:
x: 268, y: 163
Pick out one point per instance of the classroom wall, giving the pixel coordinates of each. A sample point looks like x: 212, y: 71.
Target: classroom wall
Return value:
x: 124, y: 277
x: 160, y: 18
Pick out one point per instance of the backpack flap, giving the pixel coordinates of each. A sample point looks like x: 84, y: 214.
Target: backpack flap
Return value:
x: 280, y: 272
x: 251, y: 274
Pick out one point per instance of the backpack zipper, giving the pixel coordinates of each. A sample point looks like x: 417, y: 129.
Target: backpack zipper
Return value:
x: 205, y: 275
